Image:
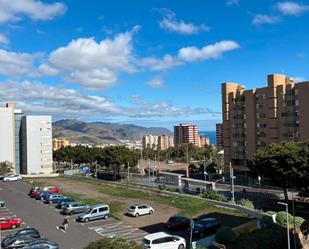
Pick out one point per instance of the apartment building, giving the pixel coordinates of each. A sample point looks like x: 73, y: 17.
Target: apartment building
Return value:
x: 150, y: 141
x: 186, y: 133
x: 219, y: 136
x: 165, y: 142
x: 202, y: 141
x: 256, y: 118
x: 59, y: 143
x: 36, y: 145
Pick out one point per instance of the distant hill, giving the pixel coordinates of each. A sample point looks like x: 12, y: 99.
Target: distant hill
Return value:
x: 100, y: 132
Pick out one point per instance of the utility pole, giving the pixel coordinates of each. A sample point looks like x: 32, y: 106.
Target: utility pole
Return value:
x: 128, y: 172
x: 287, y: 221
x: 294, y: 225
x: 232, y: 181
x: 149, y: 171
x: 96, y: 170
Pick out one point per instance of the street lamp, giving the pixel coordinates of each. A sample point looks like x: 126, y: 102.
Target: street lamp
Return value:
x: 191, y: 231
x: 287, y: 221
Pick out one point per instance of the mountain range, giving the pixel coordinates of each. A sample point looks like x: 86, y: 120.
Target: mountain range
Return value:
x: 101, y: 133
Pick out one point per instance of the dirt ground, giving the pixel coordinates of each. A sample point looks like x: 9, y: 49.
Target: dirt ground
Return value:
x: 160, y: 216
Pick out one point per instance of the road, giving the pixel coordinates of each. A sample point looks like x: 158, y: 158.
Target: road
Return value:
x: 43, y: 217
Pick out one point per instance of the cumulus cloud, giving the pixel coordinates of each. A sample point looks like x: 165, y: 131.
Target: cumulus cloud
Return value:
x: 4, y: 40
x: 15, y: 10
x: 38, y: 98
x: 92, y: 64
x: 232, y: 2
x: 289, y: 8
x: 265, y: 19
x: 16, y: 64
x: 212, y: 51
x: 156, y: 83
x: 170, y: 23
x: 158, y: 64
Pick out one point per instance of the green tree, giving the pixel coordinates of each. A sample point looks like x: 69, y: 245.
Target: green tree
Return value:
x: 285, y: 163
x: 5, y: 167
x: 108, y: 243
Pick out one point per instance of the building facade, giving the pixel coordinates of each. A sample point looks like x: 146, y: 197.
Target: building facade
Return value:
x: 59, y: 143
x: 150, y: 141
x: 256, y: 118
x: 202, y: 141
x: 186, y: 134
x: 165, y: 142
x: 18, y: 114
x: 36, y: 145
x: 7, y: 135
x: 219, y: 136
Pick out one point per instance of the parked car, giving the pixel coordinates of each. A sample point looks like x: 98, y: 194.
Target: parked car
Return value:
x: 40, y: 244
x: 203, y: 227
x: 140, y: 209
x: 162, y: 240
x: 52, y: 189
x: 2, y: 203
x: 42, y: 195
x: 53, y: 198
x: 178, y: 222
x: 11, y: 178
x: 74, y: 208
x: 35, y: 188
x: 100, y: 211
x: 9, y: 222
x: 35, y: 193
x: 18, y: 242
x: 29, y: 231
x: 63, y: 201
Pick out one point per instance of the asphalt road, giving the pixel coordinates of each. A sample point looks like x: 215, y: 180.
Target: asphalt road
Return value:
x: 44, y: 217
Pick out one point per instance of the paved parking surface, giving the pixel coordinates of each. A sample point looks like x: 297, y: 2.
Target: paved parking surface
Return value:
x: 115, y: 228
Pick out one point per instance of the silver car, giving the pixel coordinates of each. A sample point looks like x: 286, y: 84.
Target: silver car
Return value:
x: 95, y: 212
x: 74, y: 208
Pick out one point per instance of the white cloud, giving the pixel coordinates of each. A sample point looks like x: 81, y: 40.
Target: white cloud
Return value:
x: 289, y: 8
x: 158, y: 64
x: 16, y: 64
x: 265, y: 19
x: 232, y: 2
x: 212, y: 51
x: 170, y: 23
x: 15, y: 10
x: 38, y: 98
x: 156, y: 83
x: 92, y: 64
x: 4, y: 40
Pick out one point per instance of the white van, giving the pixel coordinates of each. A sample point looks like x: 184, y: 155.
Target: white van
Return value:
x: 95, y: 212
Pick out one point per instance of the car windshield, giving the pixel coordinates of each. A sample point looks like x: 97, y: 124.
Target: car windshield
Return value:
x: 132, y: 207
x: 146, y: 242
x: 176, y: 219
x: 88, y: 211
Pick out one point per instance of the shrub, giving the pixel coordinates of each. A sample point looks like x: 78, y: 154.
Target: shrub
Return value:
x: 213, y: 195
x: 281, y: 218
x: 225, y: 235
x: 246, y: 203
x: 298, y: 221
x: 110, y: 243
x: 162, y: 187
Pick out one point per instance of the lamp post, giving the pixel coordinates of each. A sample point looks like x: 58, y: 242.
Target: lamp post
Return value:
x: 287, y: 221
x: 232, y: 181
x: 191, y: 232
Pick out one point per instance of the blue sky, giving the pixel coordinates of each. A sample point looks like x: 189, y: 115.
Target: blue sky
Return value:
x: 151, y: 63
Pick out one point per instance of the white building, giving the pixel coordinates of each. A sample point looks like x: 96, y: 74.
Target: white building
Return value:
x: 36, y: 145
x: 7, y: 135
x: 150, y: 141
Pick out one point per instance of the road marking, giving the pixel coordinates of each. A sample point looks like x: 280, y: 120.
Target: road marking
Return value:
x: 129, y: 232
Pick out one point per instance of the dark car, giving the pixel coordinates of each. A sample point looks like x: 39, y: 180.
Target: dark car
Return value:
x: 42, y: 195
x: 29, y: 231
x: 38, y: 244
x: 33, y: 189
x: 54, y: 198
x: 205, y: 227
x: 178, y: 223
x: 64, y: 201
x: 18, y: 242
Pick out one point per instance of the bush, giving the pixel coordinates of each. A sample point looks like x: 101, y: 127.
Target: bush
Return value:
x: 225, y: 235
x: 110, y: 243
x: 213, y: 195
x: 298, y: 221
x: 162, y: 187
x: 246, y: 203
x: 281, y: 218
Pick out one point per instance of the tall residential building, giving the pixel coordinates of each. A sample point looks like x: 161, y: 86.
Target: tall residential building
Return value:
x: 36, y: 144
x: 150, y: 141
x: 256, y: 118
x: 59, y: 143
x: 202, y: 141
x: 186, y: 134
x: 219, y: 136
x: 165, y: 142
x: 18, y: 114
x: 7, y: 135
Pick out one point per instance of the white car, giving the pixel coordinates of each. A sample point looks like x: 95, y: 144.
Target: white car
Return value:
x: 140, y: 209
x: 11, y: 178
x: 162, y: 240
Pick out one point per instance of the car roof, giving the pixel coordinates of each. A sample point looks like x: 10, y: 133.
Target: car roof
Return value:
x: 98, y: 205
x: 158, y: 235
x: 207, y: 220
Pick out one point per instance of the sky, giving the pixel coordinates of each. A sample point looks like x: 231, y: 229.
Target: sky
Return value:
x: 150, y: 63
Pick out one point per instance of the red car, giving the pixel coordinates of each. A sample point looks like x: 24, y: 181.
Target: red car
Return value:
x: 35, y: 193
x: 51, y: 189
x: 9, y: 222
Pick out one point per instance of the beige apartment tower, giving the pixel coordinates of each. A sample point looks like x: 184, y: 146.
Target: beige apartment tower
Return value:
x: 165, y: 142
x: 186, y: 134
x: 256, y: 118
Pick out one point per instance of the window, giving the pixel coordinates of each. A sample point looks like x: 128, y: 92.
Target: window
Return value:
x: 94, y: 211
x: 102, y: 209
